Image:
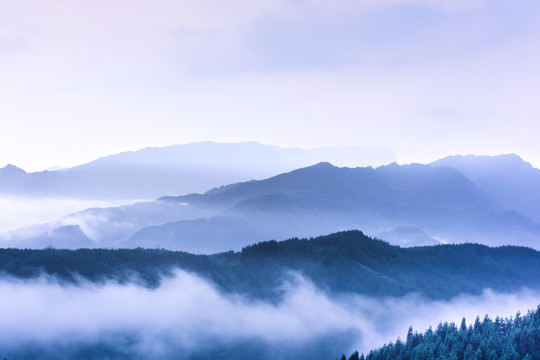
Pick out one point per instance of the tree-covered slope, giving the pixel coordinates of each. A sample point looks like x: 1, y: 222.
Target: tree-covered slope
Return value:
x: 513, y: 339
x: 346, y: 262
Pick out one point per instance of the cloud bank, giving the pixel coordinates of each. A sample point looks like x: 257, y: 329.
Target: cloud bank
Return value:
x: 187, y: 314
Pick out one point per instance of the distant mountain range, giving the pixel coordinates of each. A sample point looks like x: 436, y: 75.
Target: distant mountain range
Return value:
x: 512, y: 182
x: 180, y: 169
x: 405, y: 204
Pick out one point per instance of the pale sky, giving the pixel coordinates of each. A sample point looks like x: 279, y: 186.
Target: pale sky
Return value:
x: 425, y: 78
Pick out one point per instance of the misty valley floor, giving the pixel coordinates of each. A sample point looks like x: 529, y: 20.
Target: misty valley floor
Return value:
x: 316, y: 297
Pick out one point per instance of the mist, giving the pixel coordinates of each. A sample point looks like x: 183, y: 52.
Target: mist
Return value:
x: 186, y: 314
x: 18, y: 212
x: 26, y: 222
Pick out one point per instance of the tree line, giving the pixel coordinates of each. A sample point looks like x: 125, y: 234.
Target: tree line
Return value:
x: 345, y: 262
x: 516, y: 338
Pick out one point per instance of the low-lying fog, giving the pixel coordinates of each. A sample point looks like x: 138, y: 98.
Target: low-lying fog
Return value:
x: 18, y: 212
x: 187, y: 314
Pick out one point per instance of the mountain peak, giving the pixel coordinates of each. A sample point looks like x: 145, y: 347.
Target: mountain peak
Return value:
x: 324, y: 165
x: 500, y: 160
x: 12, y: 169
x: 510, y: 180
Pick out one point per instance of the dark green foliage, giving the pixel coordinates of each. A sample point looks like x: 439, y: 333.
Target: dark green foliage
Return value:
x: 351, y: 262
x: 122, y: 265
x: 515, y: 338
x: 346, y: 262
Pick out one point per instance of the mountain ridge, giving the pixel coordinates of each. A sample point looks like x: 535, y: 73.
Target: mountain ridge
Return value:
x: 440, y: 203
x: 177, y: 169
x: 344, y: 262
x: 428, y: 197
x: 511, y: 181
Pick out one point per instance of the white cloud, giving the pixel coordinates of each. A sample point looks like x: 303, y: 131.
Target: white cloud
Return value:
x: 186, y: 311
x: 16, y: 213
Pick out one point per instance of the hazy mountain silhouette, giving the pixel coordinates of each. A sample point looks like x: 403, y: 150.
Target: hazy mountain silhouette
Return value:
x: 179, y: 169
x: 438, y: 203
x: 511, y: 181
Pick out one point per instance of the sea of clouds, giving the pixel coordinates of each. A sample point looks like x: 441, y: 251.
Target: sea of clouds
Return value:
x: 187, y: 313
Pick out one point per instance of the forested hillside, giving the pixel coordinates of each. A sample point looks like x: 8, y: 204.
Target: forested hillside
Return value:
x: 513, y: 339
x: 346, y: 262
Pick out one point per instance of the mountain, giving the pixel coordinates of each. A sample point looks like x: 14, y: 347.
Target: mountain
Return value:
x: 350, y: 285
x: 405, y: 204
x: 10, y: 177
x: 508, y: 179
x: 342, y: 263
x: 323, y: 198
x: 179, y: 169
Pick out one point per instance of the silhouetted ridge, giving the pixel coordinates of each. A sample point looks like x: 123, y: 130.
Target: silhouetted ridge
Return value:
x: 323, y: 182
x: 353, y: 243
x: 297, y: 180
x: 345, y: 262
x: 11, y: 169
x: 436, y: 204
x: 179, y: 169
